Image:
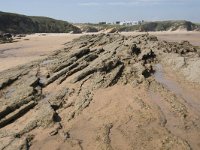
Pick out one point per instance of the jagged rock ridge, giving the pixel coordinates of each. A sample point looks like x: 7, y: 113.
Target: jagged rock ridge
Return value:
x: 38, y: 93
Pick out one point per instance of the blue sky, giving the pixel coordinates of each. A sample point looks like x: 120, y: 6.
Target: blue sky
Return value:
x: 106, y: 10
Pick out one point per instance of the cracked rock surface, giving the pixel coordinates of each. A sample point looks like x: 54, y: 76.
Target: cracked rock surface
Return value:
x: 100, y: 92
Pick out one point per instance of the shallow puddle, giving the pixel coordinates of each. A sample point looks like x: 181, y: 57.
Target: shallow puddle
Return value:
x: 167, y: 118
x: 174, y: 87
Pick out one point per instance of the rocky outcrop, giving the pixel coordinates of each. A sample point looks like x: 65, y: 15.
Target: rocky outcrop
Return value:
x: 183, y: 58
x: 111, y: 30
x: 60, y: 87
x: 6, y: 38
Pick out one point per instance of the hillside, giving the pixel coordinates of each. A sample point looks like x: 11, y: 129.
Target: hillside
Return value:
x: 169, y: 26
x: 148, y: 26
x: 15, y: 23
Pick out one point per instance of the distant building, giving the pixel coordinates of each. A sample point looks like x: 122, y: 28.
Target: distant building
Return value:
x: 102, y: 23
x: 128, y: 23
x: 125, y: 23
x: 117, y: 22
x: 141, y: 22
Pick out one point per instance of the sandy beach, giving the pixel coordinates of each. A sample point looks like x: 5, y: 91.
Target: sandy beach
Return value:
x: 31, y: 47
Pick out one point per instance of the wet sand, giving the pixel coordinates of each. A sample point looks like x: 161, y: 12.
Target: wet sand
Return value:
x: 185, y: 94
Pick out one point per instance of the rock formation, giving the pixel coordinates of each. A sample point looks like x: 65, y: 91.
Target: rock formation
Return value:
x: 68, y: 95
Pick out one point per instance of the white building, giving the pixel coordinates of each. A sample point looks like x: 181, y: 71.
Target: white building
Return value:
x: 128, y: 23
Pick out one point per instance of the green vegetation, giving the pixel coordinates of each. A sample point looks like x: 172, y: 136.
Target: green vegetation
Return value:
x: 98, y: 27
x: 15, y: 23
x: 88, y: 28
x: 21, y: 24
x: 169, y: 25
x: 150, y: 26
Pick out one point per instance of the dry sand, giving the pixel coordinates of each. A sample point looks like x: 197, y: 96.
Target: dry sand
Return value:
x: 31, y: 47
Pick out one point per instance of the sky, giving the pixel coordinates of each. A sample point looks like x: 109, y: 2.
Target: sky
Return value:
x: 83, y: 11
